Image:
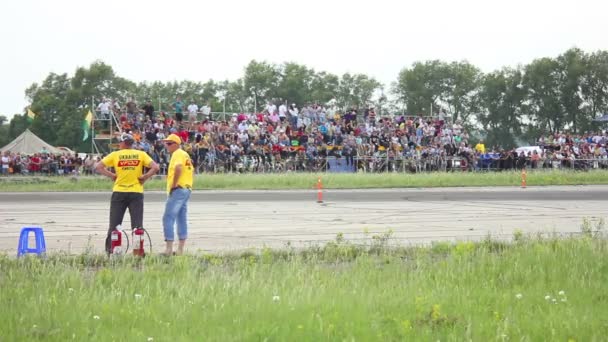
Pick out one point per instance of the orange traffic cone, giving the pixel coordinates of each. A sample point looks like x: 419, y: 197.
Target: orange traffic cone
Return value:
x: 319, y: 191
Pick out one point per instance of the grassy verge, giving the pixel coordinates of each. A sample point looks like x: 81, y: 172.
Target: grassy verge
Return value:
x: 530, y: 290
x: 330, y: 181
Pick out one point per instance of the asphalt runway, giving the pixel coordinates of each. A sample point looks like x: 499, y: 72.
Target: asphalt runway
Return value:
x: 223, y: 221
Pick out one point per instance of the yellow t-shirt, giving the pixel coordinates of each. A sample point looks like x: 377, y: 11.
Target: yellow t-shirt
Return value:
x: 129, y: 166
x: 481, y: 148
x: 180, y: 157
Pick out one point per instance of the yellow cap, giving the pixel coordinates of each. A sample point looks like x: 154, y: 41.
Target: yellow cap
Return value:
x: 173, y: 138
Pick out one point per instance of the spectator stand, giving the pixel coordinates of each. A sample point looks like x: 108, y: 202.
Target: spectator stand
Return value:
x: 105, y: 128
x: 317, y: 141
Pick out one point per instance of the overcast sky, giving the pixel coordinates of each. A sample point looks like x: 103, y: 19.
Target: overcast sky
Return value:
x: 198, y: 40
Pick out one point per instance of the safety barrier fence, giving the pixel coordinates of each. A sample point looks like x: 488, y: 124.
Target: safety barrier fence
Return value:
x: 226, y: 162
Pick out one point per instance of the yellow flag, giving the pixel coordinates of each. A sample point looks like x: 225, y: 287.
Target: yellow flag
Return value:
x: 31, y: 115
x: 86, y: 125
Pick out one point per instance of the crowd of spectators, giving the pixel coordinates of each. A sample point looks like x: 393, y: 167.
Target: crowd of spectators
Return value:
x: 287, y: 137
x: 291, y: 138
x: 46, y: 163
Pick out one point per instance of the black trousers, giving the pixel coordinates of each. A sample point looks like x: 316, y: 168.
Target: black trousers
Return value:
x: 134, y: 201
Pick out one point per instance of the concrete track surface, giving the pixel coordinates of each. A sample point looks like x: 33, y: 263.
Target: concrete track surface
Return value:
x: 222, y: 221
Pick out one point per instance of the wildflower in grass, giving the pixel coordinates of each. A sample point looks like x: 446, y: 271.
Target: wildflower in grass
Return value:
x: 150, y: 339
x: 137, y: 296
x: 34, y: 326
x: 70, y: 290
x: 96, y: 317
x: 547, y: 297
x: 554, y: 300
x: 562, y: 293
x: 435, y: 312
x: 519, y: 296
x: 276, y: 298
x: 564, y: 300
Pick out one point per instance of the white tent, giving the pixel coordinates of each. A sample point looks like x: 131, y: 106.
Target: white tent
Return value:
x: 29, y: 143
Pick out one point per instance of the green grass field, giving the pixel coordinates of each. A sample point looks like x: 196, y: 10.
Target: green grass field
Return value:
x: 309, y: 181
x: 528, y: 290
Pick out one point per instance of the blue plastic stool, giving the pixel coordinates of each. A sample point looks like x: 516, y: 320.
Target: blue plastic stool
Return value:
x: 24, y: 239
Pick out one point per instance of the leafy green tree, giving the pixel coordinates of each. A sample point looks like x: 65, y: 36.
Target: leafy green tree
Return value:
x: 209, y: 94
x: 594, y: 87
x: 324, y: 87
x: 542, y: 81
x: 296, y: 82
x: 61, y: 103
x: 237, y: 99
x: 356, y: 91
x: 501, y: 97
x: 50, y: 103
x: 460, y: 90
x: 261, y: 80
x: 98, y: 81
x: 451, y: 88
x: 157, y: 92
x: 17, y: 125
x: 421, y: 86
x: 572, y: 65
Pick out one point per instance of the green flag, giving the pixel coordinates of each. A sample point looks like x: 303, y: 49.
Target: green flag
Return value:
x: 86, y: 125
x: 31, y: 115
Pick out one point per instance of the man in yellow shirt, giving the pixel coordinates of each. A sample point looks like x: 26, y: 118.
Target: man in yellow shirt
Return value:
x: 129, y: 179
x: 480, y: 147
x: 179, y: 187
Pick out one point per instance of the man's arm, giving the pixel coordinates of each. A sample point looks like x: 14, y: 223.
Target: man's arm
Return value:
x: 101, y: 169
x: 153, y: 169
x: 176, y: 174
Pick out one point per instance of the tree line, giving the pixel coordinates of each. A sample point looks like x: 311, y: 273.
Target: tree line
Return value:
x: 504, y: 107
